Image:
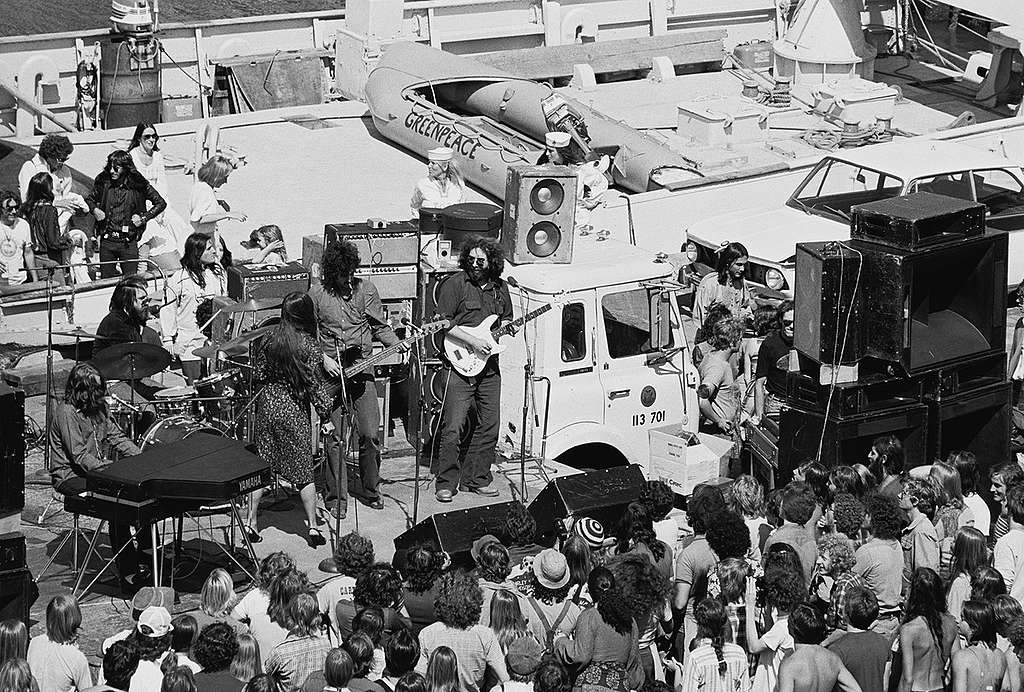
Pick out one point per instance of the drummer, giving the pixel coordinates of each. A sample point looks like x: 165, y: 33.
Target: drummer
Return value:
x: 128, y: 315
x: 80, y: 439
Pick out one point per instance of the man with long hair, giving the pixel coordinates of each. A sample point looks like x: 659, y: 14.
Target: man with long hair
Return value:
x: 81, y: 434
x: 129, y: 311
x: 118, y: 201
x: 350, y: 316
x: 466, y: 298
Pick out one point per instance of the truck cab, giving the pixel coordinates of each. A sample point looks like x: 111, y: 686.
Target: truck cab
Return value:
x: 819, y: 207
x: 609, y: 360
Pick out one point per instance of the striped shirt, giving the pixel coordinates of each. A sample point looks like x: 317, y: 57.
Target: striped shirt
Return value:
x: 835, y: 618
x: 701, y: 671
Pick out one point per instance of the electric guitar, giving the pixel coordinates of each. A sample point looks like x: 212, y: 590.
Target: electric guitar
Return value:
x: 469, y: 361
x: 334, y: 386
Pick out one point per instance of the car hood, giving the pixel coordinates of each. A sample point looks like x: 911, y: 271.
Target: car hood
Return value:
x: 770, y: 235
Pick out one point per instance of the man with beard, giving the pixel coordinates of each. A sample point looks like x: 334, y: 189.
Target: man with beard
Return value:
x: 773, y: 364
x: 349, y: 316
x: 466, y: 298
x: 129, y: 311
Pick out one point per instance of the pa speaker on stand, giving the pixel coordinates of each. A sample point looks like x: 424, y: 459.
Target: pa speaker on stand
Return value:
x: 540, y: 211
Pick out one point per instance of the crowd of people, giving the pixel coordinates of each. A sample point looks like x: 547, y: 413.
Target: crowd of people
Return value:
x: 864, y: 577
x: 121, y: 225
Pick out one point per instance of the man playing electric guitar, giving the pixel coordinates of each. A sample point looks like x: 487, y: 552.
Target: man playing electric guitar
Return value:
x: 349, y: 316
x: 466, y: 298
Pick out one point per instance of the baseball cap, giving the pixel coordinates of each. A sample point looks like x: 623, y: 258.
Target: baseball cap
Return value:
x: 155, y: 621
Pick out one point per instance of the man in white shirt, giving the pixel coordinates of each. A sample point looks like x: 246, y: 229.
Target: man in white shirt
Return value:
x: 15, y: 242
x: 54, y: 151
x: 1008, y: 558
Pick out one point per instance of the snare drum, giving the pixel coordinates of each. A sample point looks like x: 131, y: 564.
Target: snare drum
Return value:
x: 174, y: 429
x: 218, y: 393
x: 174, y: 401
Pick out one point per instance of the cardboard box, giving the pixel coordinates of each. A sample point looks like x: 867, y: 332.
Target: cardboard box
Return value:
x: 681, y: 459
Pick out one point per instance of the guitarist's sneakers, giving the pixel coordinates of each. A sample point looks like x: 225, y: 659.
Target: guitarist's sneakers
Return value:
x: 443, y: 495
x: 485, y: 490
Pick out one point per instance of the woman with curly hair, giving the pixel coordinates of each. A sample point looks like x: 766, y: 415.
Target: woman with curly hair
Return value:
x: 928, y: 635
x: 713, y: 660
x: 605, y: 643
x: 635, y: 533
x: 423, y: 565
x: 782, y: 591
x: 379, y: 585
x: 970, y: 551
x: 215, y: 649
x: 458, y: 610
x: 835, y: 578
x: 879, y: 562
x: 647, y: 592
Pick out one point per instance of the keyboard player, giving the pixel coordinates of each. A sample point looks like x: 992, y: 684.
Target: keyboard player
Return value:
x: 80, y: 438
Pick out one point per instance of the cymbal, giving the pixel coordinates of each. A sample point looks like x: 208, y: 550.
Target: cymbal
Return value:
x: 254, y: 304
x: 131, y: 361
x: 78, y: 333
x: 233, y: 347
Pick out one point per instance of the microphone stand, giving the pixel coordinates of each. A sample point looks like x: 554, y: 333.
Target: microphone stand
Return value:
x: 528, y: 375
x: 49, y: 364
x: 420, y: 438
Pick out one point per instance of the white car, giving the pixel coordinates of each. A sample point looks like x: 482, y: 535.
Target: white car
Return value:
x: 819, y: 208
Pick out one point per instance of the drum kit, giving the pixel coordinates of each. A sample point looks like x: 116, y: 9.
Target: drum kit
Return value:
x: 218, y: 404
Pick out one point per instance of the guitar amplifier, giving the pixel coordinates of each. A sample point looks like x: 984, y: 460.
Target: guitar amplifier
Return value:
x: 393, y: 283
x: 247, y: 281
x: 395, y: 243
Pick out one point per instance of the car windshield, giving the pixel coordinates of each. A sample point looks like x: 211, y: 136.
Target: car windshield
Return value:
x: 834, y: 186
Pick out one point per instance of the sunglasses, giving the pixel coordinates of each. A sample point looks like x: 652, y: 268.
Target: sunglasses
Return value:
x: 10, y: 207
x: 788, y: 323
x: 478, y: 261
x: 150, y: 137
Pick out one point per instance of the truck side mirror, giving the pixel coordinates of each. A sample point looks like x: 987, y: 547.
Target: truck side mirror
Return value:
x: 660, y: 320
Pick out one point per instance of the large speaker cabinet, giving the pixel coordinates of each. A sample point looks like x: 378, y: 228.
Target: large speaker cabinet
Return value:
x: 827, y: 315
x: 540, y: 213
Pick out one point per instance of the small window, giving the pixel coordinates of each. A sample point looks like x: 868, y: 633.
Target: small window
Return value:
x: 574, y: 333
x: 956, y: 185
x: 627, y: 323
x: 1002, y: 194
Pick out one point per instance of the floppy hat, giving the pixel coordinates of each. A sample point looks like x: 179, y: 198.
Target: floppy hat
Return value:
x: 551, y: 569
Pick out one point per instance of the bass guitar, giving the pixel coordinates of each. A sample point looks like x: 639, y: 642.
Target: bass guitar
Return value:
x: 470, y: 361
x: 334, y: 386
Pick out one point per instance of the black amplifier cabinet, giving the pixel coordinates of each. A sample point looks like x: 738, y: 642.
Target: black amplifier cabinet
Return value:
x: 12, y: 450
x: 827, y: 316
x: 874, y: 390
x: 847, y: 440
x: 247, y: 281
x: 965, y: 375
x: 454, y: 532
x: 977, y: 420
x: 598, y: 494
x: 391, y: 243
x: 919, y: 219
x: 929, y: 308
x: 18, y: 590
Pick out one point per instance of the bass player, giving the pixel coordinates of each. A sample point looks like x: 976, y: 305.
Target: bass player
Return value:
x: 349, y: 316
x: 466, y: 298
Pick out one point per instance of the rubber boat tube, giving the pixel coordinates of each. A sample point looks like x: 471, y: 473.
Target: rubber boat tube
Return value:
x: 421, y: 98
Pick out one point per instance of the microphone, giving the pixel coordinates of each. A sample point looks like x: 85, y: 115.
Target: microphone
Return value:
x: 511, y: 281
x: 408, y: 323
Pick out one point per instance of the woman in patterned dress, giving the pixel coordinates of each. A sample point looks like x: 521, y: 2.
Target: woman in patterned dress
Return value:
x: 289, y: 371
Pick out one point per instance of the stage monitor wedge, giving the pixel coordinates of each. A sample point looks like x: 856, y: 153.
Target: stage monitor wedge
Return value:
x: 598, y: 494
x: 454, y: 532
x: 540, y: 212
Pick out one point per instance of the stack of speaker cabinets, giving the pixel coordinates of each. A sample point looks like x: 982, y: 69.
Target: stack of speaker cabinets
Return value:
x: 900, y: 331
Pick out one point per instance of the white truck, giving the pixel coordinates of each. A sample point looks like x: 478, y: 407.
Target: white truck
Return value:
x: 610, y: 361
x: 819, y: 207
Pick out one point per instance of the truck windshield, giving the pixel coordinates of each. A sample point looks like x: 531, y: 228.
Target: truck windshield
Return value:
x: 834, y: 186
